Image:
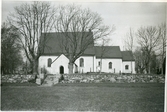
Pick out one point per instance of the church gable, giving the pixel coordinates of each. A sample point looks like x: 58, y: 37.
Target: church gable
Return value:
x: 60, y: 58
x: 60, y: 64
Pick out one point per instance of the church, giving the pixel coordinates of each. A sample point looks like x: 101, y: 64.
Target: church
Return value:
x: 108, y: 59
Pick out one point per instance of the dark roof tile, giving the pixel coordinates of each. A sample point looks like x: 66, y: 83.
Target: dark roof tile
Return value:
x: 54, y: 42
x: 127, y: 56
x: 108, y: 52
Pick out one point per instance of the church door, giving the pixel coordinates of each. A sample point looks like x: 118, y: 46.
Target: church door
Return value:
x: 61, y: 70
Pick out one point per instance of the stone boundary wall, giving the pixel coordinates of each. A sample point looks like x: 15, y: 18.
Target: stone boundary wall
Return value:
x: 91, y: 78
x: 114, y: 78
x: 16, y: 78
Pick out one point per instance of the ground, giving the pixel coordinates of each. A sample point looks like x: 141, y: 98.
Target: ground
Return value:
x: 126, y: 97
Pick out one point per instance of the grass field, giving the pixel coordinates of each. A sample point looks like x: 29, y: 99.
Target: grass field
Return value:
x: 133, y: 97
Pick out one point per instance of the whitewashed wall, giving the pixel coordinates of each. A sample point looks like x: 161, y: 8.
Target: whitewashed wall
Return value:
x: 61, y: 61
x: 89, y: 64
x: 55, y: 66
x: 43, y: 63
x: 116, y: 64
x: 131, y: 67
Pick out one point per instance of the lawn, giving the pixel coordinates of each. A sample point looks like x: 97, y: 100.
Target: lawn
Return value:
x: 133, y: 97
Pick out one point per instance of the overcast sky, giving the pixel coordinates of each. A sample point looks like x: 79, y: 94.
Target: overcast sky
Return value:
x: 121, y: 15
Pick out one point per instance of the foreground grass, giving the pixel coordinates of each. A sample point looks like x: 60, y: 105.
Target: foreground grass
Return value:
x: 87, y: 97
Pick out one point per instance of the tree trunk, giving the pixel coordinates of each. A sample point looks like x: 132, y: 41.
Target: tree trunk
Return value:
x: 35, y: 67
x: 100, y: 65
x: 162, y: 70
x: 149, y: 68
x: 131, y: 67
x: 162, y: 66
x: 26, y: 68
x: 70, y: 67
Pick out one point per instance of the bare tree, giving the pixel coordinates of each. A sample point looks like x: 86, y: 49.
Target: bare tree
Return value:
x: 162, y: 45
x: 79, y: 21
x: 104, y: 42
x: 148, y: 39
x: 32, y: 20
x: 139, y: 60
x: 129, y: 42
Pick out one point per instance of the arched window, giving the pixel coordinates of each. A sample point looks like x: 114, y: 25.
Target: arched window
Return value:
x: 99, y: 63
x: 49, y: 62
x: 126, y: 67
x: 110, y: 65
x: 81, y: 62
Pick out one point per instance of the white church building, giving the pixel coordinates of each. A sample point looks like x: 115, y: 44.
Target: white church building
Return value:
x: 113, y: 60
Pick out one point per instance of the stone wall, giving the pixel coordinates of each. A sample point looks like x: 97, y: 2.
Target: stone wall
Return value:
x: 91, y: 78
x: 114, y: 78
x: 17, y: 78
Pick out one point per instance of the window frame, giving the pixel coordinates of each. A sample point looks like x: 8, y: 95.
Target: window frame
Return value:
x: 99, y: 63
x: 126, y: 67
x: 49, y: 62
x: 110, y: 65
x: 81, y: 62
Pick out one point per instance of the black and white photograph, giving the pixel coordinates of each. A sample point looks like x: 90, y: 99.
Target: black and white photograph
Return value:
x: 83, y: 55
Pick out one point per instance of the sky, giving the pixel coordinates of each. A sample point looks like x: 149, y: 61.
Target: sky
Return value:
x: 123, y: 15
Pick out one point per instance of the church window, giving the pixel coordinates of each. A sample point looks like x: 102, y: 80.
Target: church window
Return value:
x: 126, y: 67
x: 49, y: 62
x: 110, y: 65
x: 81, y: 62
x: 99, y: 63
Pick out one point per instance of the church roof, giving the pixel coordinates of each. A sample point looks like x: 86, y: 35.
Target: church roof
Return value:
x: 108, y: 52
x: 54, y: 42
x: 127, y: 56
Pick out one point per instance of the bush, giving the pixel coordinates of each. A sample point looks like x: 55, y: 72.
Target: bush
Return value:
x: 61, y: 78
x: 32, y: 80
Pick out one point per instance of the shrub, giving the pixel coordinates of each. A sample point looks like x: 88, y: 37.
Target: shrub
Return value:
x: 61, y: 78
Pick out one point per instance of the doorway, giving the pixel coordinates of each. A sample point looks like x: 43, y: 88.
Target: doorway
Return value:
x: 61, y: 70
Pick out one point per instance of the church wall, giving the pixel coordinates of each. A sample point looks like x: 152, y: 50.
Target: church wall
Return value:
x: 62, y: 61
x: 131, y: 66
x: 55, y: 66
x: 89, y: 64
x: 43, y: 63
x: 116, y: 65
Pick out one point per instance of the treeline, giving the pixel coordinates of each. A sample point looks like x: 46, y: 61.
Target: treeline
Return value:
x: 11, y: 58
x: 150, y: 51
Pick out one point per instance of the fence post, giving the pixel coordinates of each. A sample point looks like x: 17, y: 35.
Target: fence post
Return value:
x: 120, y: 72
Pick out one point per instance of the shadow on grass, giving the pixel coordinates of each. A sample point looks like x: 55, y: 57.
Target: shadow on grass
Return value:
x: 19, y: 84
x: 86, y: 97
